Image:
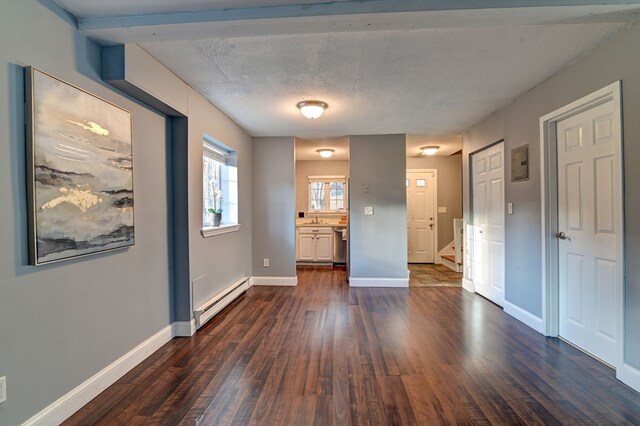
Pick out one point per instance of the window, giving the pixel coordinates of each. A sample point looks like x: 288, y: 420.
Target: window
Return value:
x: 219, y: 185
x: 327, y: 194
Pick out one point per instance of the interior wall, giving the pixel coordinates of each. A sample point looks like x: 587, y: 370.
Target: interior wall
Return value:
x: 449, y: 190
x: 518, y: 124
x: 378, y: 243
x: 315, y: 168
x: 62, y: 323
x: 273, y: 182
x: 216, y: 262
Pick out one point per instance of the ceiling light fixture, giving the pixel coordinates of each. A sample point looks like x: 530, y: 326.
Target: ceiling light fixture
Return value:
x: 429, y: 150
x: 312, y: 109
x: 325, y: 152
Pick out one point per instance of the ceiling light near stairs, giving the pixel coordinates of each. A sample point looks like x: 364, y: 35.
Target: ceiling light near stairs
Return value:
x: 325, y: 152
x: 312, y: 109
x: 429, y: 150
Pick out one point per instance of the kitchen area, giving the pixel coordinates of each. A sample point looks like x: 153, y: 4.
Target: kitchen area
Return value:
x: 322, y: 169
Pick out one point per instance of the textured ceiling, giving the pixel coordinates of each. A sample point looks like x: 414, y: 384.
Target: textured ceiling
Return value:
x: 434, y: 82
x: 429, y: 69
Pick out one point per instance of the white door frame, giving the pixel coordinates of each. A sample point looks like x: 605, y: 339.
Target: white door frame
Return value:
x: 549, y: 209
x: 436, y: 256
x: 467, y: 279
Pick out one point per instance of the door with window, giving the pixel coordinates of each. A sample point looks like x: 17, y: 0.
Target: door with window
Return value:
x: 487, y: 171
x: 589, y: 229
x: 421, y: 219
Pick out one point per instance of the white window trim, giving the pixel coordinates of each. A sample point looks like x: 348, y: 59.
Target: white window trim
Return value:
x: 212, y: 231
x: 332, y: 178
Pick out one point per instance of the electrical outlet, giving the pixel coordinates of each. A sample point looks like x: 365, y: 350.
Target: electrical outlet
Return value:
x: 265, y: 263
x: 3, y: 389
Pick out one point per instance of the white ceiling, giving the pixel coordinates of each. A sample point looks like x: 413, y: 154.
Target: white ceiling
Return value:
x: 428, y: 73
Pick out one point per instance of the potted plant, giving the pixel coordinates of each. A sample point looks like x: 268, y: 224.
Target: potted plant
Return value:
x: 217, y: 207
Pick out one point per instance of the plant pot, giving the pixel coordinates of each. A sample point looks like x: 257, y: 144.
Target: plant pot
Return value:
x: 217, y: 218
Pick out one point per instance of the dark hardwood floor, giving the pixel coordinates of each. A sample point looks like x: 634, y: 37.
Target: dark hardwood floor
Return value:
x: 323, y: 353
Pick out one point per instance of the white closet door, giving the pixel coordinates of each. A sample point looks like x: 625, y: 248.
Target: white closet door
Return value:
x: 488, y: 223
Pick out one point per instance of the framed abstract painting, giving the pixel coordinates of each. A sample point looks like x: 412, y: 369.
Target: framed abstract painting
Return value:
x: 79, y: 171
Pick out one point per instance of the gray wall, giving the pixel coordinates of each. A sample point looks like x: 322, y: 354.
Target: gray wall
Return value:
x: 61, y: 323
x: 518, y: 124
x: 449, y: 190
x: 217, y: 261
x: 274, y: 207
x: 315, y: 168
x: 378, y: 243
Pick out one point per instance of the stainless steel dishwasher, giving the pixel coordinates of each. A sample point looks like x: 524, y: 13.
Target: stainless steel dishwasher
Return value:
x: 339, y: 244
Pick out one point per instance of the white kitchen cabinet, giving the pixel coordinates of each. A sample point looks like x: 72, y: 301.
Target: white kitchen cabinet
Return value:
x: 324, y: 247
x: 306, y: 247
x: 315, y: 244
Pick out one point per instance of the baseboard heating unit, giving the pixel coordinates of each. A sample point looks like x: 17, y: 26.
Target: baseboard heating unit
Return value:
x: 218, y: 302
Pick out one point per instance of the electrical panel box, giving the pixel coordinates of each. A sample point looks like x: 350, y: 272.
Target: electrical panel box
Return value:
x: 520, y: 163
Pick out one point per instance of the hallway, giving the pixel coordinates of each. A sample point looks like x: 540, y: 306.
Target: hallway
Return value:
x: 323, y: 353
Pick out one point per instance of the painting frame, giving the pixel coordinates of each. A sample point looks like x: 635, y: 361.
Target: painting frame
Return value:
x: 79, y: 170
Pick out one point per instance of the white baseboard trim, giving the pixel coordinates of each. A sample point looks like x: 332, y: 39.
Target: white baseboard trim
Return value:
x: 524, y: 317
x: 467, y: 284
x: 184, y: 328
x: 629, y: 375
x: 77, y: 398
x: 378, y: 282
x: 274, y: 281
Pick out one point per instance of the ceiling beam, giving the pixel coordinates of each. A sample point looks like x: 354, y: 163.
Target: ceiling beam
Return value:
x: 351, y: 16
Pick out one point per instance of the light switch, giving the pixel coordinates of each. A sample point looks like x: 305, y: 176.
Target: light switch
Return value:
x: 510, y: 208
x: 442, y: 209
x: 368, y: 211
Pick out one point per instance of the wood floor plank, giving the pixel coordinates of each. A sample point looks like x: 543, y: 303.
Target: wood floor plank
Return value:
x: 323, y: 353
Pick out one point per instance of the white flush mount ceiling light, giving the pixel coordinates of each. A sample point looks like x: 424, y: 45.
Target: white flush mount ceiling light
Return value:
x: 312, y: 109
x: 429, y: 150
x: 325, y: 152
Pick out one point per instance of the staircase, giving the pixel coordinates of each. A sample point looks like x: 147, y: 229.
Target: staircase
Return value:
x: 454, y: 261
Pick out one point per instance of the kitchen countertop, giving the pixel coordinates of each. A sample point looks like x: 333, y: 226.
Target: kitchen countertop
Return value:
x: 321, y: 225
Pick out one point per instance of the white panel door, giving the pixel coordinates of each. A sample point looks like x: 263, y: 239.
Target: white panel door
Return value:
x: 421, y: 216
x: 488, y: 223
x: 589, y: 185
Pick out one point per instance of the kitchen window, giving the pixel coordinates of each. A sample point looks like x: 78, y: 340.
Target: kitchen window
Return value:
x: 327, y: 194
x: 220, y: 187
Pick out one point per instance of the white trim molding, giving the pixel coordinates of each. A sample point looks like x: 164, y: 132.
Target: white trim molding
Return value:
x: 524, y: 316
x: 629, y: 375
x: 274, y: 281
x: 467, y: 284
x: 212, y: 231
x: 184, y: 328
x: 78, y: 397
x: 549, y: 208
x: 378, y: 282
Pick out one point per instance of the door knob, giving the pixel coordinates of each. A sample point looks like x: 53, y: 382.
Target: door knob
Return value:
x: 562, y: 236
x: 431, y: 226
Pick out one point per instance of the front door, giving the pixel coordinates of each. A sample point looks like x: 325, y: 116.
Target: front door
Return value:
x: 421, y: 190
x: 488, y: 222
x: 589, y: 194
